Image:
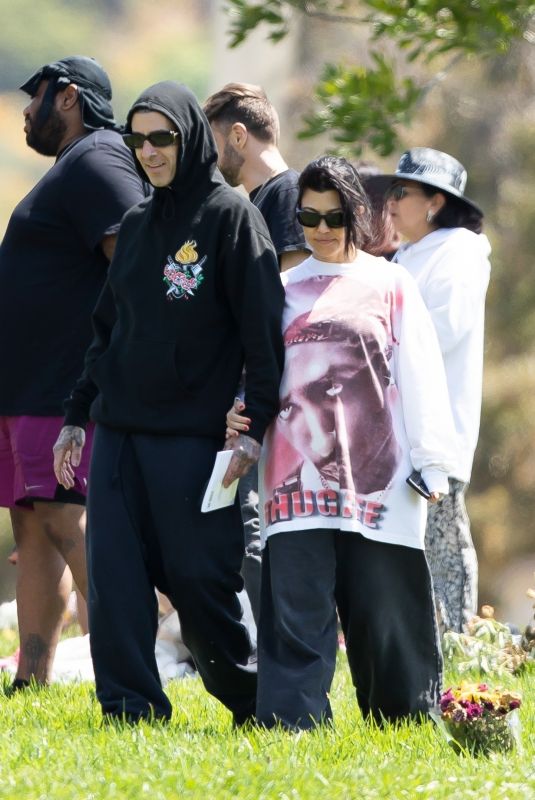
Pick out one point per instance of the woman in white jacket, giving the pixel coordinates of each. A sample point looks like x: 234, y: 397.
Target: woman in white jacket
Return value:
x: 447, y: 255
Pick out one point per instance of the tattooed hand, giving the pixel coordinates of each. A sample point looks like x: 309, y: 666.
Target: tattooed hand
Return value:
x: 68, y: 454
x: 246, y: 453
x: 235, y: 421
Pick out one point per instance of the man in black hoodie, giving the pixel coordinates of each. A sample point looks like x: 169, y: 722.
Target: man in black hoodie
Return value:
x: 193, y: 295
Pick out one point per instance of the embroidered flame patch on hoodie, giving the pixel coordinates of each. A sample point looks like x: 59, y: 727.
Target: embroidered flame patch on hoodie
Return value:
x: 184, y: 274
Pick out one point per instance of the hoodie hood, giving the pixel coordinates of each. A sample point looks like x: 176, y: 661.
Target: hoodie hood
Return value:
x: 197, y: 157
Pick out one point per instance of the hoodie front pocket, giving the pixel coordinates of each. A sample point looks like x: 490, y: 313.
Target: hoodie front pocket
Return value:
x: 144, y: 372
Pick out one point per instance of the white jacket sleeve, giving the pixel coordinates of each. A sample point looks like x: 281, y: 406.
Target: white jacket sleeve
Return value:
x: 421, y: 382
x: 456, y: 285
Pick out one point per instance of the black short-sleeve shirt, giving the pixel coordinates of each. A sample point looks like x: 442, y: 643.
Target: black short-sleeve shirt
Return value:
x: 277, y: 200
x: 52, y: 269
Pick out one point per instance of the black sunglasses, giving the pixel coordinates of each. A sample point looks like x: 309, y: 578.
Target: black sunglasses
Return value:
x: 398, y: 192
x: 157, y: 139
x: 311, y: 219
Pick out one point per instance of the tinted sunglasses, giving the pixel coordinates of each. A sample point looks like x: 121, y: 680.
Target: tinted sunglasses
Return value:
x: 157, y: 139
x: 311, y: 219
x: 398, y: 192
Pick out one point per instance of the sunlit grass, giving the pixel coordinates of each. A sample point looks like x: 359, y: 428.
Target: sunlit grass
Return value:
x: 55, y: 745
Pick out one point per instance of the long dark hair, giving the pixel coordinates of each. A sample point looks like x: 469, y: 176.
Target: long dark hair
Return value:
x: 454, y: 213
x: 332, y: 172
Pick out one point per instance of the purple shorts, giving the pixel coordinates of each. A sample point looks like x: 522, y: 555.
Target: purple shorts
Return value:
x: 27, y: 462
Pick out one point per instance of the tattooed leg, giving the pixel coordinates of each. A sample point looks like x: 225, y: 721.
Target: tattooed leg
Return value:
x: 44, y: 583
x: 35, y: 653
x: 64, y: 525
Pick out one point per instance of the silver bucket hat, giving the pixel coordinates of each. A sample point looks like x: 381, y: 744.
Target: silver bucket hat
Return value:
x: 432, y: 167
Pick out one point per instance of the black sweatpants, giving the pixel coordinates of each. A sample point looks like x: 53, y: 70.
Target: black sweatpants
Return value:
x: 146, y: 530
x: 384, y: 597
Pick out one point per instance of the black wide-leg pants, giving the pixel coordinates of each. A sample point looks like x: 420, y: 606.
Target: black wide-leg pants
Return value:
x: 384, y: 598
x: 146, y: 530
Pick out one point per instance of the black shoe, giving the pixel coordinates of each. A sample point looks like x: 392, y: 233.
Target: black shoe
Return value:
x: 18, y: 685
x: 241, y: 721
x: 245, y: 716
x: 130, y: 718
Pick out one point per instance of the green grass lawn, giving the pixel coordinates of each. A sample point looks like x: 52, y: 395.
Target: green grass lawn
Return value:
x: 53, y: 745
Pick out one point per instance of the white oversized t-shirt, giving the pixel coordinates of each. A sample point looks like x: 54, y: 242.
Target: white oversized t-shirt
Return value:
x: 363, y: 401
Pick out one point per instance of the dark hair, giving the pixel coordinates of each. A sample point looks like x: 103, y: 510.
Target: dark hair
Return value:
x: 382, y: 223
x: 454, y: 213
x: 245, y: 103
x: 332, y: 172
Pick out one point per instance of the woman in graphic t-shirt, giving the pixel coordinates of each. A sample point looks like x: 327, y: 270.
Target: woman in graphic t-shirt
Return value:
x: 363, y: 403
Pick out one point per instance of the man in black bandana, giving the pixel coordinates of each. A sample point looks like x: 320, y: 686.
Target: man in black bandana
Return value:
x: 77, y: 76
x: 193, y: 295
x: 53, y: 262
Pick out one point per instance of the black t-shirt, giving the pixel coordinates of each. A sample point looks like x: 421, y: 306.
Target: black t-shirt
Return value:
x: 277, y: 200
x: 52, y: 270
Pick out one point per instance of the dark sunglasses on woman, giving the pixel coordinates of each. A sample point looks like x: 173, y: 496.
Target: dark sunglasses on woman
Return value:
x: 311, y: 219
x: 156, y: 138
x: 398, y: 192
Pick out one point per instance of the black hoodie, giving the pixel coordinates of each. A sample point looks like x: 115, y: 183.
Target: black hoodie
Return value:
x: 193, y: 295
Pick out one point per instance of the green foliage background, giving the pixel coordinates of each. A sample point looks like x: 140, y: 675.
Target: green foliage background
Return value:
x: 135, y: 42
x: 366, y: 104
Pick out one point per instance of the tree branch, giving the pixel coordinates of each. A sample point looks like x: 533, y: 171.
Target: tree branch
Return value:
x: 324, y: 15
x: 439, y: 77
x: 330, y: 17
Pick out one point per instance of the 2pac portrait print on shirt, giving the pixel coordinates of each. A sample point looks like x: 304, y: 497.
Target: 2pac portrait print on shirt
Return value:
x: 333, y: 447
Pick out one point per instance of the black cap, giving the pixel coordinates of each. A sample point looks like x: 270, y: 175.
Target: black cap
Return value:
x: 92, y: 82
x: 432, y: 167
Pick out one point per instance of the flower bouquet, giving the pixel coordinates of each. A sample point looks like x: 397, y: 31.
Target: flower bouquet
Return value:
x: 480, y: 720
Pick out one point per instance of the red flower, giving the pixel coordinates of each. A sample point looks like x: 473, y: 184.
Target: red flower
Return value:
x: 473, y: 710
